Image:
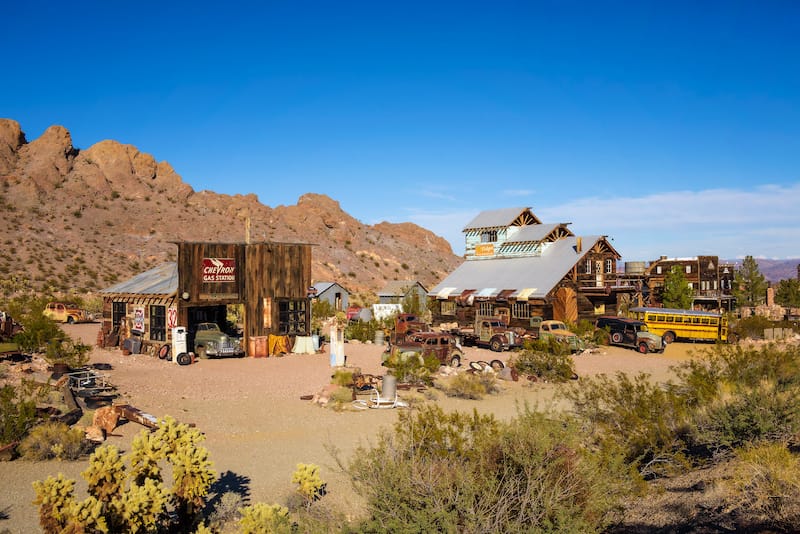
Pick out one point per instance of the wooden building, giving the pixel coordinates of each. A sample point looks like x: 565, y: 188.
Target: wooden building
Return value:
x: 336, y: 295
x: 404, y: 291
x: 268, y: 282
x: 518, y: 268
x: 710, y: 280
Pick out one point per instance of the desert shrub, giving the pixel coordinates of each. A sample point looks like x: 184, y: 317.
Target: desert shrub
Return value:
x: 53, y: 440
x: 17, y: 414
x: 362, y: 330
x: 554, y: 366
x: 341, y: 397
x: 646, y: 420
x: 226, y: 511
x: 343, y: 377
x: 469, y: 385
x: 766, y: 484
x: 68, y: 351
x: 752, y: 327
x: 453, y: 472
x: 262, y: 518
x: 411, y: 367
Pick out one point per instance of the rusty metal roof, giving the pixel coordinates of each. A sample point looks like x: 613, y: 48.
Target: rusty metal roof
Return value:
x: 532, y: 276
x: 161, y: 280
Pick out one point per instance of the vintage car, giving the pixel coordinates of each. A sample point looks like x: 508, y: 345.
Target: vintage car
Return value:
x: 558, y: 330
x: 630, y: 333
x: 440, y: 344
x: 66, y: 312
x: 211, y: 341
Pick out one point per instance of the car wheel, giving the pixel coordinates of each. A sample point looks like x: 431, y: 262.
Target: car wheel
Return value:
x: 70, y: 320
x: 497, y: 365
x: 455, y: 360
x: 668, y: 337
x: 496, y: 345
x: 163, y: 352
x: 184, y: 358
x: 616, y: 337
x: 643, y: 347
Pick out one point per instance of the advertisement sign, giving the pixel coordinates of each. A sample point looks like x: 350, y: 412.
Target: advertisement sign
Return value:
x: 172, y: 317
x: 138, y: 319
x: 484, y: 249
x: 219, y: 270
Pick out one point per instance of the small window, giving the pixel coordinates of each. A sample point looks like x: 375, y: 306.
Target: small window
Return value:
x: 688, y: 269
x: 489, y: 236
x: 448, y: 307
x: 658, y: 269
x: 158, y: 323
x: 292, y: 317
x: 485, y: 308
x: 521, y: 310
x: 609, y: 266
x: 588, y: 267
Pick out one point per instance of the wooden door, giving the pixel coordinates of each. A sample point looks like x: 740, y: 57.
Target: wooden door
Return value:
x: 565, y: 305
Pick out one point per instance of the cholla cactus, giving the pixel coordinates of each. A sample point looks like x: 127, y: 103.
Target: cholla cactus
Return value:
x: 142, y: 506
x: 105, y: 474
x: 54, y: 497
x: 147, y: 451
x: 86, y: 516
x: 309, y: 484
x: 264, y: 518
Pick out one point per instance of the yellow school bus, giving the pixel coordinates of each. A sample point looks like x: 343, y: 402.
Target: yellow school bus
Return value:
x: 672, y: 324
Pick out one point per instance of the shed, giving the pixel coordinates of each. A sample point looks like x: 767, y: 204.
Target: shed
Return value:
x: 331, y: 292
x: 400, y: 291
x: 266, y: 284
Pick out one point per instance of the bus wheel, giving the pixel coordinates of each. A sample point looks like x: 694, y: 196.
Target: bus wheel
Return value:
x: 642, y: 348
x: 668, y: 337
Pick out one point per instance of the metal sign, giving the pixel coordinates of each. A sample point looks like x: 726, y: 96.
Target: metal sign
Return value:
x: 217, y: 270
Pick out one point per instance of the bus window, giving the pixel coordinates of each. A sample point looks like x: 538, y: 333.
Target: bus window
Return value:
x: 695, y: 320
x: 678, y: 319
x: 660, y: 318
x: 704, y: 320
x: 670, y: 319
x: 714, y: 321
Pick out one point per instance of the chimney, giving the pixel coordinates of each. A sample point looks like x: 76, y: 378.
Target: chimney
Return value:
x: 579, y: 246
x: 770, y: 296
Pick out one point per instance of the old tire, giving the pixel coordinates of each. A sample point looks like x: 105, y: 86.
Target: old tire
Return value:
x: 455, y: 360
x: 497, y: 365
x: 668, y: 337
x: 616, y: 337
x: 163, y: 352
x: 70, y: 320
x: 642, y: 347
x: 184, y: 358
x: 496, y: 345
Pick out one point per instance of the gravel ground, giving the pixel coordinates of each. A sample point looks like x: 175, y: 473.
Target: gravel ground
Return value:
x: 256, y: 426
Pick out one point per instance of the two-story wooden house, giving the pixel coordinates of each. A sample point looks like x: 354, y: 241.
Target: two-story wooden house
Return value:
x: 517, y: 267
x: 710, y: 280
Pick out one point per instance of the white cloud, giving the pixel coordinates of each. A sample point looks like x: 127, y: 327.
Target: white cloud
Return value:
x: 729, y: 223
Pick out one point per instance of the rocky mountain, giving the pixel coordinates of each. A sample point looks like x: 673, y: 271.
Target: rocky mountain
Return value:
x: 81, y: 220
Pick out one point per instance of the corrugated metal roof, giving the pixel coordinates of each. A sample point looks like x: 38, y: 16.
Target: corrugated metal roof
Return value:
x: 495, y: 218
x: 533, y: 232
x: 398, y: 288
x: 535, y: 275
x: 161, y: 280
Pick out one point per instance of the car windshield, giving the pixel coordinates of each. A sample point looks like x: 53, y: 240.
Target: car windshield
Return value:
x: 557, y: 326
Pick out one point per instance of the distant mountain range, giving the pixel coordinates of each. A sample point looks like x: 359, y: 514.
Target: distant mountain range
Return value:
x: 775, y: 270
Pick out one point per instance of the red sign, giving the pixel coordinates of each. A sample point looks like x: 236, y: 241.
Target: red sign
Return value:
x: 219, y: 270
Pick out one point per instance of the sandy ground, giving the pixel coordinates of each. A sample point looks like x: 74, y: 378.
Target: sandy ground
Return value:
x: 256, y: 426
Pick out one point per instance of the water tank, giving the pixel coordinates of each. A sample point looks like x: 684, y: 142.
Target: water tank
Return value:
x: 635, y: 267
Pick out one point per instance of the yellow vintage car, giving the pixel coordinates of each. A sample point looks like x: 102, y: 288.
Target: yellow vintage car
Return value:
x: 65, y: 312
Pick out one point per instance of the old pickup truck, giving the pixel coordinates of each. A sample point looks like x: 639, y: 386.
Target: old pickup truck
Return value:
x: 492, y: 333
x: 211, y: 341
x: 440, y: 344
x: 558, y: 330
x: 66, y: 312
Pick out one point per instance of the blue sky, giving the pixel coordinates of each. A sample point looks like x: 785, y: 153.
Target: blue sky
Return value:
x: 671, y: 127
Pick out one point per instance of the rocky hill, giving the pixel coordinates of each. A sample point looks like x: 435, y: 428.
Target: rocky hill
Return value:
x: 81, y: 220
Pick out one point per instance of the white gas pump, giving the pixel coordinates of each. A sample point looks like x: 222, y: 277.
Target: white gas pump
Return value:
x: 180, y: 353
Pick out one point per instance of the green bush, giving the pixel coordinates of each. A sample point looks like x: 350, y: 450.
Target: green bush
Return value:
x: 469, y: 385
x: 751, y: 327
x: 547, y: 359
x: 453, y: 472
x: 53, y: 440
x: 17, y: 414
x: 412, y: 367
